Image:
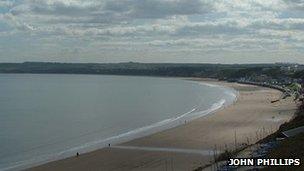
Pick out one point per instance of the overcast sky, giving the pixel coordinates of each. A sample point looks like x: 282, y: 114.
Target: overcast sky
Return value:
x: 205, y: 31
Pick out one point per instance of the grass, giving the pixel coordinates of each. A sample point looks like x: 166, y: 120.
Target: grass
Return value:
x: 292, y: 147
x: 297, y: 121
x: 223, y: 157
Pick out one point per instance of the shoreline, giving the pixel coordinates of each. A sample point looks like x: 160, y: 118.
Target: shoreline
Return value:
x: 229, y: 98
x: 167, y: 139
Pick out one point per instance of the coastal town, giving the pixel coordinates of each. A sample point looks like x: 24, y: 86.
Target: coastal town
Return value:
x: 286, y: 77
x: 286, y: 141
x: 151, y: 85
x: 289, y: 85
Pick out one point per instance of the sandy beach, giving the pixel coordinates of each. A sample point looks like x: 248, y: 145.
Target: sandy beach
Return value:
x: 191, y: 145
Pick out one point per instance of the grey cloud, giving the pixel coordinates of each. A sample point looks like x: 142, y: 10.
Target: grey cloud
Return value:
x: 59, y: 9
x: 211, y: 29
x: 6, y: 3
x: 159, y: 24
x: 158, y: 8
x: 295, y: 4
x: 45, y: 7
x: 112, y: 11
x: 279, y: 24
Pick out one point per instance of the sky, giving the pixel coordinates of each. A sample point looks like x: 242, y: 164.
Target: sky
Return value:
x: 191, y: 31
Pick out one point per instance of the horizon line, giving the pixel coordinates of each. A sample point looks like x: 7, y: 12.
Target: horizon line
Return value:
x: 257, y: 63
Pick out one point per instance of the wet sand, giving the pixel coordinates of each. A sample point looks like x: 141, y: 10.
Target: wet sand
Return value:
x: 191, y: 145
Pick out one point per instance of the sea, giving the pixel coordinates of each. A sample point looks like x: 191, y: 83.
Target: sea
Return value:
x: 46, y: 117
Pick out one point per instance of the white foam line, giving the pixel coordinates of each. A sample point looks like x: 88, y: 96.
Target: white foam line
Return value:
x: 95, y: 144
x: 144, y: 130
x: 209, y: 85
x: 164, y: 149
x: 133, y: 134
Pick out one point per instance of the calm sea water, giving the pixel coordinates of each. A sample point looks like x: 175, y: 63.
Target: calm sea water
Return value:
x: 48, y: 117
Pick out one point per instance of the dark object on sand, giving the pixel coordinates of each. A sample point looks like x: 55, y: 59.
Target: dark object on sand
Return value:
x: 77, y: 154
x: 273, y: 101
